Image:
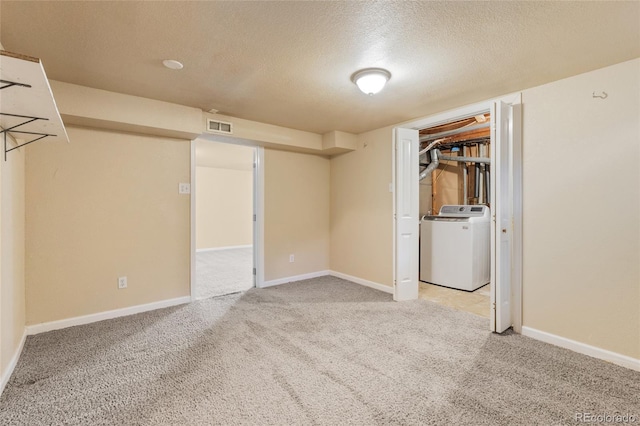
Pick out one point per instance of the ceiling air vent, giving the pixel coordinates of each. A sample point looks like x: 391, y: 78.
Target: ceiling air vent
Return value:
x: 215, y: 126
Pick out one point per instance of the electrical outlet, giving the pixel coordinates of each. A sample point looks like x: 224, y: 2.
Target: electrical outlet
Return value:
x: 184, y: 188
x: 122, y: 282
x: 292, y: 258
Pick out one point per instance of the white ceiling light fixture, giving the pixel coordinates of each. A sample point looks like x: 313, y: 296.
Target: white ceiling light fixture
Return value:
x: 371, y: 80
x: 172, y: 64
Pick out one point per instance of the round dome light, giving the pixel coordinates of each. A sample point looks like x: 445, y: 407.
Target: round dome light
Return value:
x: 371, y: 80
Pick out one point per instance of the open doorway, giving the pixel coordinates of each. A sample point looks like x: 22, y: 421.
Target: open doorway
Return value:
x: 224, y: 180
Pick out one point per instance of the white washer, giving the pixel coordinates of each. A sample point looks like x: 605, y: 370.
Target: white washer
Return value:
x: 455, y: 247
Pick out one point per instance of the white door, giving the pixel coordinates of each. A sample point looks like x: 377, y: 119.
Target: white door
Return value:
x: 501, y: 207
x: 406, y: 214
x: 255, y: 217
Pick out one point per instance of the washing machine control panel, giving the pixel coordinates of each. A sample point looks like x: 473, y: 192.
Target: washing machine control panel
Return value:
x: 463, y: 211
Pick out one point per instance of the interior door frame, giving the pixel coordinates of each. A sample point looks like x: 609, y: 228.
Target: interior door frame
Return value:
x: 514, y: 99
x: 258, y: 209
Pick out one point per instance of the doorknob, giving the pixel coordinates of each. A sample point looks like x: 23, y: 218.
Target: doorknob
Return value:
x: 504, y: 231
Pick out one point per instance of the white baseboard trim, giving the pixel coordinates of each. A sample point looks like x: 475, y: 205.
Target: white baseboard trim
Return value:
x: 6, y: 375
x: 222, y: 248
x: 583, y: 348
x: 367, y: 283
x: 294, y: 278
x: 101, y: 316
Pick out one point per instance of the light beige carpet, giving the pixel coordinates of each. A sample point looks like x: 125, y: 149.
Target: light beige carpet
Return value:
x: 317, y: 352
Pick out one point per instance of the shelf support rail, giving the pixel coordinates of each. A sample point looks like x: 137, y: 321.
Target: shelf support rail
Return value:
x: 28, y: 119
x: 8, y: 83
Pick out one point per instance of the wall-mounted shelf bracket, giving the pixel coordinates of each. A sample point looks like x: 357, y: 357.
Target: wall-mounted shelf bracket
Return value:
x: 26, y: 120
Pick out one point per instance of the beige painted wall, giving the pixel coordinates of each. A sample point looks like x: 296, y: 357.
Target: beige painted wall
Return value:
x: 103, y: 206
x: 296, y: 194
x: 224, y: 207
x: 582, y: 208
x: 362, y: 209
x: 86, y: 106
x: 12, y: 228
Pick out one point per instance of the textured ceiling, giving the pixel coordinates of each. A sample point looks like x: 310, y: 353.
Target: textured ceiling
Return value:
x: 289, y: 63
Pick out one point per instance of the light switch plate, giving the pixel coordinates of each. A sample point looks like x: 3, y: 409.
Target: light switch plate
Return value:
x: 184, y: 188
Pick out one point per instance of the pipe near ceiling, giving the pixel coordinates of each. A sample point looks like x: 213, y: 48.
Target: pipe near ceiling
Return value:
x: 432, y: 166
x: 482, y: 160
x: 487, y: 177
x: 465, y: 177
x: 476, y: 186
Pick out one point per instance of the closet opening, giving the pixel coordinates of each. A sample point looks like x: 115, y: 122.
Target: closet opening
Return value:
x: 457, y: 144
x: 455, y: 214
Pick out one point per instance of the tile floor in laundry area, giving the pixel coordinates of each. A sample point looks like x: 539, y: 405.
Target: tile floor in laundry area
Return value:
x: 476, y: 302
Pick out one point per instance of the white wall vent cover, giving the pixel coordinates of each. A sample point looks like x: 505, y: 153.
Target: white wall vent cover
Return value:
x: 215, y: 126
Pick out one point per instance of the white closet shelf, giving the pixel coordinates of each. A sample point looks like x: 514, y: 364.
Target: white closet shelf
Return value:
x: 28, y: 112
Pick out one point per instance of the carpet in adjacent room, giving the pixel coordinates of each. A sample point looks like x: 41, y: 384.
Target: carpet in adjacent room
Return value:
x: 226, y: 271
